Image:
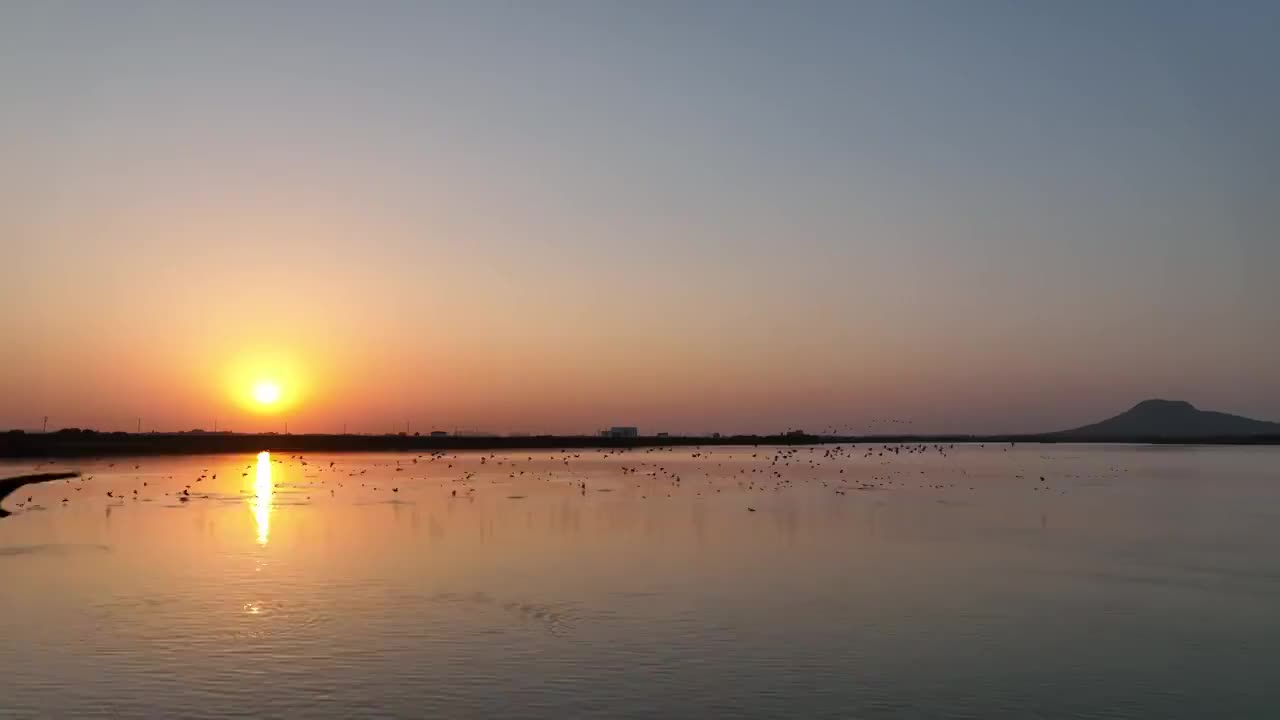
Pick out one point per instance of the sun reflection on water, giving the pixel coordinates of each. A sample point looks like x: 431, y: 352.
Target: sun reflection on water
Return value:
x: 262, y: 500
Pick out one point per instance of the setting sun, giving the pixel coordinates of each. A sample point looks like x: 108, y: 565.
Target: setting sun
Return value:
x: 266, y: 392
x: 266, y: 381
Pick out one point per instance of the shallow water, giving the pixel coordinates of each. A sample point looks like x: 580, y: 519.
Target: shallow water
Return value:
x: 1131, y: 581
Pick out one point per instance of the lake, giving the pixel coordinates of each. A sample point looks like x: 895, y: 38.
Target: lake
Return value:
x: 828, y: 581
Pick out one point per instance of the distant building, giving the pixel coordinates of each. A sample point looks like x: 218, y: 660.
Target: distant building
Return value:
x: 662, y: 434
x: 439, y: 433
x: 621, y: 431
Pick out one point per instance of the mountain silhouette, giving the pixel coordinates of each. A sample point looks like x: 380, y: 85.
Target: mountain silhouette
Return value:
x: 1171, y: 419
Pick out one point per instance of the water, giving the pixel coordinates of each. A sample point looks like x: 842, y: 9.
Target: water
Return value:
x: 1131, y: 582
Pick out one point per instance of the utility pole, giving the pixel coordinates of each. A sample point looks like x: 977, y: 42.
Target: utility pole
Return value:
x: 45, y: 427
x: 139, y: 426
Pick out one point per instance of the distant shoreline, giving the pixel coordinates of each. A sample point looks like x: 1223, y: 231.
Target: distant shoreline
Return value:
x: 88, y: 444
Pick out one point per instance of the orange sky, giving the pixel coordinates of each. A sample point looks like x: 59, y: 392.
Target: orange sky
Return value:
x: 631, y: 216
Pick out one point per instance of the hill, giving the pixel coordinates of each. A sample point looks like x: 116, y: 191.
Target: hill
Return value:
x: 1171, y: 419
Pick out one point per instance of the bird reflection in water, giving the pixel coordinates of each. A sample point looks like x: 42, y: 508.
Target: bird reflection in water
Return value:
x: 262, y: 501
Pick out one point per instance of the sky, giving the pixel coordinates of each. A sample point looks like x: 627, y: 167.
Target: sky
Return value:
x: 690, y: 217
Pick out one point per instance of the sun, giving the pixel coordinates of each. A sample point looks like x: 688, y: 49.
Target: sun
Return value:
x: 266, y: 392
x: 266, y: 381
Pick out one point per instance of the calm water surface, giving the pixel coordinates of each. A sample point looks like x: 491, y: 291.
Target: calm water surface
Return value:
x: 1130, y: 582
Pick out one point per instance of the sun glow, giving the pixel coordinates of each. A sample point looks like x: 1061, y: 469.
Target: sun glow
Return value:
x: 266, y: 392
x: 265, y: 382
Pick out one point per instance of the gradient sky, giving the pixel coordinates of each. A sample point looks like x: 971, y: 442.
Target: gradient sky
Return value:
x: 555, y: 216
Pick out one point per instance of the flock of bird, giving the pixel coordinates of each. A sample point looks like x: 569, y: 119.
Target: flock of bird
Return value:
x: 664, y: 471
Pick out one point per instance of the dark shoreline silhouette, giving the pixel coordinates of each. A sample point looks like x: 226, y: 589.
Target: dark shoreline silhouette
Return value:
x: 1173, y: 418
x: 55, y: 445
x: 1159, y: 422
x: 9, y: 485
